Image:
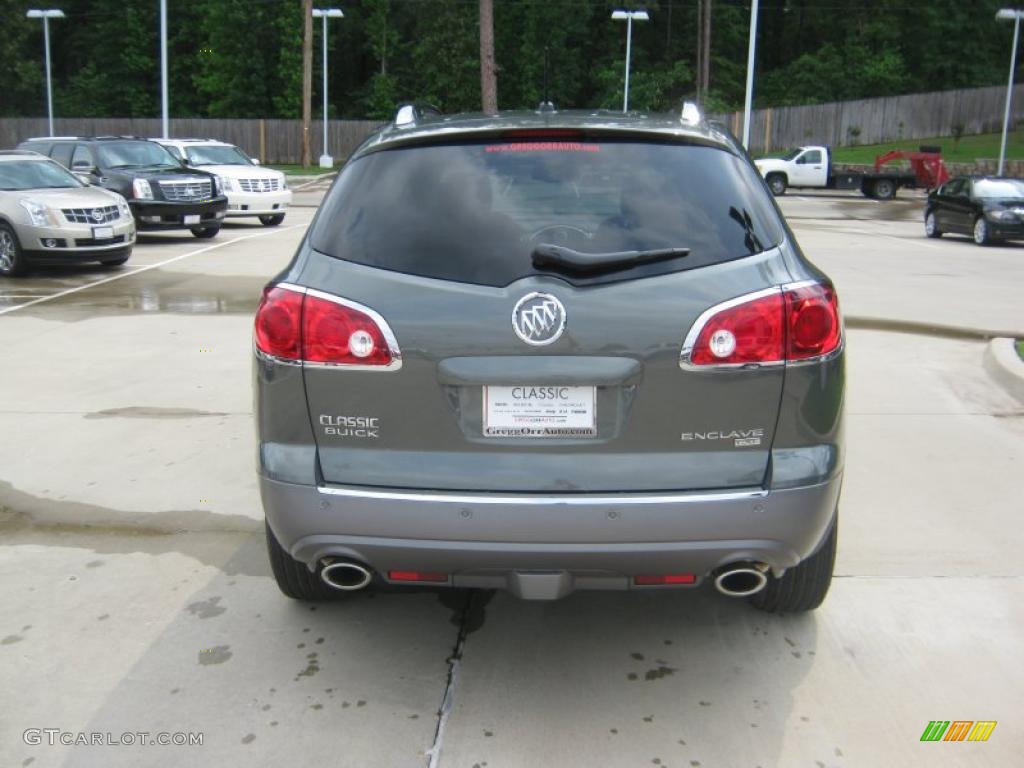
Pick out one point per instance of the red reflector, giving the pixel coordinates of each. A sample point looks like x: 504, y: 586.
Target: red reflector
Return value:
x: 751, y: 332
x: 416, y: 576
x: 674, y: 578
x: 335, y: 333
x: 813, y: 321
x: 278, y: 323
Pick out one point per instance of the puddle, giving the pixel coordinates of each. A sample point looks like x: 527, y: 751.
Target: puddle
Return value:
x: 159, y: 291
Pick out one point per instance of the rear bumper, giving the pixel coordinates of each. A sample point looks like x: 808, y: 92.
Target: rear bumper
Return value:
x: 590, y: 541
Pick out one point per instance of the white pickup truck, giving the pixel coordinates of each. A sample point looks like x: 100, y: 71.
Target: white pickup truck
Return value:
x: 811, y: 167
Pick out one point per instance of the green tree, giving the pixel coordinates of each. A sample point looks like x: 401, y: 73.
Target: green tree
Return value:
x: 21, y: 64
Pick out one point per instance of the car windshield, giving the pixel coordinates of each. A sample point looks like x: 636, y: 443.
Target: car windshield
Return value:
x: 999, y: 188
x: 135, y: 154
x: 35, y: 174
x: 477, y: 213
x: 216, y: 155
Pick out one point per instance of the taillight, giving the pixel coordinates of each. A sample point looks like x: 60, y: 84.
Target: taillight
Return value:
x: 812, y: 320
x: 750, y: 331
x: 340, y: 334
x: 313, y: 327
x: 794, y: 323
x: 279, y: 324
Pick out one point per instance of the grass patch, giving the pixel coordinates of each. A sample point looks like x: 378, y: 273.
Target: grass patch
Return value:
x: 303, y: 170
x: 968, y: 149
x: 1020, y: 348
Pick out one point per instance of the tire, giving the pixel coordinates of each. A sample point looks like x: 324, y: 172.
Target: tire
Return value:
x: 12, y: 258
x: 981, y: 232
x: 272, y: 221
x: 931, y: 226
x: 293, y: 578
x: 884, y: 189
x: 802, y: 588
x: 777, y: 184
x: 206, y: 232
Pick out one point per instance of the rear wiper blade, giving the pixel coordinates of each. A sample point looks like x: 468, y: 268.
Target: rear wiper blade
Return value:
x: 567, y: 259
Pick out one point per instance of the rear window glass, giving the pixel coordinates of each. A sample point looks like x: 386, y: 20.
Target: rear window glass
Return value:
x: 475, y: 212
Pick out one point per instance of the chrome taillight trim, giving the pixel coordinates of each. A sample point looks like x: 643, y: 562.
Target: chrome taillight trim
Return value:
x: 686, y: 352
x: 382, y: 324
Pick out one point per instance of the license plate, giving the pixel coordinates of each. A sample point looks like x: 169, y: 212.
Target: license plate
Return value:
x: 192, y: 218
x: 540, y: 411
x: 102, y: 233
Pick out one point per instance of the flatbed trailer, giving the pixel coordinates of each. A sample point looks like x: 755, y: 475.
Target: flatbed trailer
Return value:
x: 812, y: 167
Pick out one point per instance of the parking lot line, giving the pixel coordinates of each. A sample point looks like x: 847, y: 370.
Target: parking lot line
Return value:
x: 146, y: 268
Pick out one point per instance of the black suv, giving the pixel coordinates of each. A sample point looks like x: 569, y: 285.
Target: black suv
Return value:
x: 161, y: 192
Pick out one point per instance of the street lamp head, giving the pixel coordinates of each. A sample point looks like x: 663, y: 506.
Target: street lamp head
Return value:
x: 634, y: 15
x: 50, y: 13
x: 1009, y: 14
x: 329, y: 13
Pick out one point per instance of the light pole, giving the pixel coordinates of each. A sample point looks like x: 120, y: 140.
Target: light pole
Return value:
x: 164, y: 109
x: 629, y: 17
x: 1014, y: 15
x: 326, y: 161
x: 46, y: 15
x: 749, y: 98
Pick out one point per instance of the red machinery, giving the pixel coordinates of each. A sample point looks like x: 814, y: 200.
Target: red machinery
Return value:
x: 928, y: 166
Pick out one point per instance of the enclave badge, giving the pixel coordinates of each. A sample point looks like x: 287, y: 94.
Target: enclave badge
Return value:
x: 538, y: 319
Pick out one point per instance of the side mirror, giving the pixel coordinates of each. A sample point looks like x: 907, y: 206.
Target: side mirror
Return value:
x: 83, y: 177
x: 254, y: 161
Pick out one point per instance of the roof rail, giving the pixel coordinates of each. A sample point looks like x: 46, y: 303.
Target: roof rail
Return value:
x: 51, y: 138
x: 19, y: 152
x: 411, y: 114
x: 691, y: 114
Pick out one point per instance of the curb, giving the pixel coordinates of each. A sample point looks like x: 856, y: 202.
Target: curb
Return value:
x: 1005, y: 366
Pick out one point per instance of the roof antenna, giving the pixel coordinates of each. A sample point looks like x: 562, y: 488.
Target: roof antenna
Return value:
x: 545, y: 104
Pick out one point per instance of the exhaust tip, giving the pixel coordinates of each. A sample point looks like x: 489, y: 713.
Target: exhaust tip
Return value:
x: 742, y: 580
x: 346, y: 575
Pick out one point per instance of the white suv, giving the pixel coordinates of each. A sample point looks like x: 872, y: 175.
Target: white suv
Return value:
x: 251, y: 190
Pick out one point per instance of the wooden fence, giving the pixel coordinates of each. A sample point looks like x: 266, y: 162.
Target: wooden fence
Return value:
x: 875, y: 121
x: 866, y: 121
x: 272, y: 141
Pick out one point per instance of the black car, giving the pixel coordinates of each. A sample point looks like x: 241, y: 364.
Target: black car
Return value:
x: 987, y: 208
x: 161, y: 192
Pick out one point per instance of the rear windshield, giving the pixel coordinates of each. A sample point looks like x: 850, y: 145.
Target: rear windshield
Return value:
x: 475, y: 212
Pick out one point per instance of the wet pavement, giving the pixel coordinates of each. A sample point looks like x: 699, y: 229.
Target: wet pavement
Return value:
x: 137, y: 594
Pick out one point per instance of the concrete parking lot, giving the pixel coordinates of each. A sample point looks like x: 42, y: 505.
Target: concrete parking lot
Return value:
x: 137, y: 596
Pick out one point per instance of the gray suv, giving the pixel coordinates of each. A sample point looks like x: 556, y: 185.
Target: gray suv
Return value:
x: 549, y: 351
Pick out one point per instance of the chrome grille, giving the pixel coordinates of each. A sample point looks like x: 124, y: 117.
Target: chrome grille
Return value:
x: 91, y: 215
x: 186, y: 190
x: 259, y: 185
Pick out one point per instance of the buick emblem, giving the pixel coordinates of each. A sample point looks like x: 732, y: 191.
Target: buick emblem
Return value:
x: 538, y: 319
